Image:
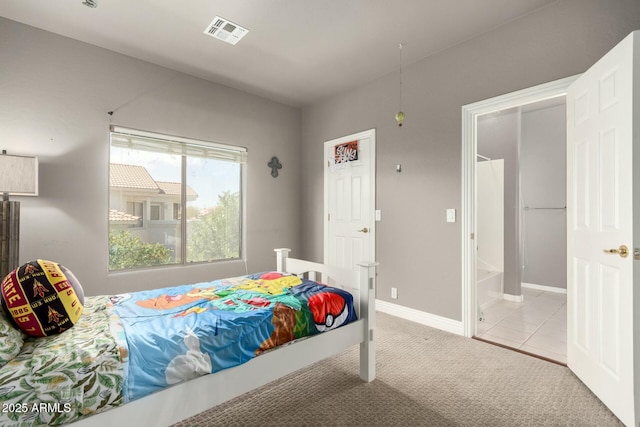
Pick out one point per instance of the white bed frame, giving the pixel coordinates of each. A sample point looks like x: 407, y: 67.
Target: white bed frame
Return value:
x: 186, y: 399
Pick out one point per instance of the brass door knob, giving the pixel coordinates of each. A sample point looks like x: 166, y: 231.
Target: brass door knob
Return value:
x: 364, y: 230
x: 623, y: 251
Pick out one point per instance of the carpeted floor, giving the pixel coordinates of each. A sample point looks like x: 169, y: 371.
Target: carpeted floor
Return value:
x: 425, y: 377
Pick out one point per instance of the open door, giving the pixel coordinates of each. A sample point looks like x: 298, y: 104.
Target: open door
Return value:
x: 602, y: 128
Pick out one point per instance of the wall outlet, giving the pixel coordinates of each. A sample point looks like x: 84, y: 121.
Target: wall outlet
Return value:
x: 394, y: 293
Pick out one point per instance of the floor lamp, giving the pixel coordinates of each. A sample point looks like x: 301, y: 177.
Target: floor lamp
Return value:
x: 18, y: 177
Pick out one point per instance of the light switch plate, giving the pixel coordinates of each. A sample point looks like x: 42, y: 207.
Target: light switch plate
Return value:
x: 451, y: 215
x: 378, y: 215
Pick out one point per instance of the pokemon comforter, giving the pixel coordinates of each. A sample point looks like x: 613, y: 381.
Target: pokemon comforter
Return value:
x: 128, y: 346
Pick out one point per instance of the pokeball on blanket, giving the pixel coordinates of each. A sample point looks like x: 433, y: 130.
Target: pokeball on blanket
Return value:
x: 42, y: 298
x: 329, y: 310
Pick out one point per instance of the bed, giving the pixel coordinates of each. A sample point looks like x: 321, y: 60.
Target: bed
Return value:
x: 156, y: 357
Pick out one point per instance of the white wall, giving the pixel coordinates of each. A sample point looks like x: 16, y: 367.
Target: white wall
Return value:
x: 54, y: 97
x: 490, y: 213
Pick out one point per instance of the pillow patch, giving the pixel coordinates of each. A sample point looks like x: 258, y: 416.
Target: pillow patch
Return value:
x: 11, y: 340
x: 42, y: 298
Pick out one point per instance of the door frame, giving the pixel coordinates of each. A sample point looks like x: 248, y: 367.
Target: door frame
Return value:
x: 470, y: 115
x: 371, y: 134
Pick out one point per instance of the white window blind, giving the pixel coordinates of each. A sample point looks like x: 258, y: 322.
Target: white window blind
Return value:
x: 149, y: 141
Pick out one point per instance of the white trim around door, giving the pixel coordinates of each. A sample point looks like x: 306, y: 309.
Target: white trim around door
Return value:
x: 470, y: 115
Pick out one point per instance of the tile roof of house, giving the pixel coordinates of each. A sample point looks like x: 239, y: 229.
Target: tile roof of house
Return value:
x: 119, y: 216
x: 131, y: 176
x: 173, y: 188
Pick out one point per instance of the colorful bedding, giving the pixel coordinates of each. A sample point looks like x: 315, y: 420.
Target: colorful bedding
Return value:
x: 128, y: 346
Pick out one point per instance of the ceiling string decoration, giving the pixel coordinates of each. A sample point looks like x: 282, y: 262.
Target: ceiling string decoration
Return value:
x: 400, y: 115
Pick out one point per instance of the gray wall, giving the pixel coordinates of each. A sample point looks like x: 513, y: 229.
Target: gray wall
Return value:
x: 55, y: 93
x: 54, y: 97
x: 543, y: 169
x: 418, y: 251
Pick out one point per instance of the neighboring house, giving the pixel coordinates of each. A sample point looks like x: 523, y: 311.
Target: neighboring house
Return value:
x: 149, y: 209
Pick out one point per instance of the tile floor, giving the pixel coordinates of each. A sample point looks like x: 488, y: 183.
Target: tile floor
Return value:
x: 538, y: 325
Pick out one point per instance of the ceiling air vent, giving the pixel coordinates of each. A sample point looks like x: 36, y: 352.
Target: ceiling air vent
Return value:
x: 225, y: 30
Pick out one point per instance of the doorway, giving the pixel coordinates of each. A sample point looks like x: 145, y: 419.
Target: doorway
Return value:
x: 521, y: 228
x: 513, y: 275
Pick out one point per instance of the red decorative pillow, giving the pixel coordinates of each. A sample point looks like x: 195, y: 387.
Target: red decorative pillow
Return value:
x: 42, y: 298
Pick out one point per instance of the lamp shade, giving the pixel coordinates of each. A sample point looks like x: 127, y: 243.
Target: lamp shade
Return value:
x: 18, y: 175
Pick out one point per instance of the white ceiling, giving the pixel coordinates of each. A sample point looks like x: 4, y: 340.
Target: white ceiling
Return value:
x: 296, y: 52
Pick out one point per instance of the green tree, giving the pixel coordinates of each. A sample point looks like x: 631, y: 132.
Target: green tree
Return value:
x: 127, y: 251
x: 216, y: 235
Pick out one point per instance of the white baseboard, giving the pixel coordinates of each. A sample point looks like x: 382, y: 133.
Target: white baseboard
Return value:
x: 432, y: 320
x: 513, y: 298
x: 544, y: 288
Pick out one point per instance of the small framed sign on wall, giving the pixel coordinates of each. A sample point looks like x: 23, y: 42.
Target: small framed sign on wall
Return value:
x: 346, y: 152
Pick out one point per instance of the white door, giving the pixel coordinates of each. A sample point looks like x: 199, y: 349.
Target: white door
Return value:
x: 600, y: 197
x: 349, y: 200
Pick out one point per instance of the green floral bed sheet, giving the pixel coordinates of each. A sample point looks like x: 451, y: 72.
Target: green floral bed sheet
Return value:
x: 59, y: 379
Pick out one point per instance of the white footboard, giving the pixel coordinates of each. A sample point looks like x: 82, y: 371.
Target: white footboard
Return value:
x: 360, y: 283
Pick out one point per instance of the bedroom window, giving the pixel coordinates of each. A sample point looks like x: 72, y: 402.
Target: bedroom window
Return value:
x: 173, y: 200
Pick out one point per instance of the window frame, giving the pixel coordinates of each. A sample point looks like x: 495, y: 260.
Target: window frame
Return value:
x: 228, y: 152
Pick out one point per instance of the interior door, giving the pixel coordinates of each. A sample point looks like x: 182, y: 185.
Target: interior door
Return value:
x: 349, y: 204
x: 600, y: 241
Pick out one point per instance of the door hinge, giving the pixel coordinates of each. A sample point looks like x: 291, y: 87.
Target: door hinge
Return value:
x: 328, y: 217
x: 472, y: 236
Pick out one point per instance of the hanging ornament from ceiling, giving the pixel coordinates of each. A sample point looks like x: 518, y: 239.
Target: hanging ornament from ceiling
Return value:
x: 400, y: 115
